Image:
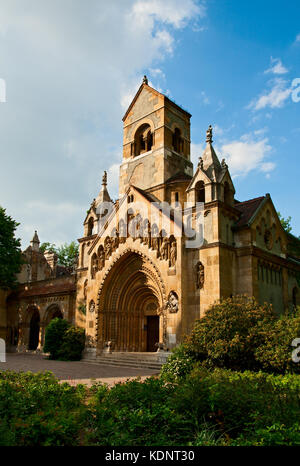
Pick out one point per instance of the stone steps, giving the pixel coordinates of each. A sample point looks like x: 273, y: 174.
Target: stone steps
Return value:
x: 135, y: 360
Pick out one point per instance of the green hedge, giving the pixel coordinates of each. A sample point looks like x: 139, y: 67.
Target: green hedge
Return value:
x: 219, y: 407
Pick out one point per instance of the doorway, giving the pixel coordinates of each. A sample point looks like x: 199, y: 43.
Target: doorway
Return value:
x: 34, y: 331
x: 152, y: 332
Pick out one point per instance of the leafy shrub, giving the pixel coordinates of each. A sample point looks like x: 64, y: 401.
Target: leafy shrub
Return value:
x: 54, y: 335
x: 230, y: 332
x: 239, y: 405
x: 219, y: 407
x: 137, y: 413
x: 275, y: 354
x: 72, y: 344
x: 64, y: 341
x: 36, y: 410
x: 178, y: 365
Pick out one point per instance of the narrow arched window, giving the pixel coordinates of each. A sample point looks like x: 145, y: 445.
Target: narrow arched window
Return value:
x: 200, y: 191
x: 90, y: 226
x: 177, y: 141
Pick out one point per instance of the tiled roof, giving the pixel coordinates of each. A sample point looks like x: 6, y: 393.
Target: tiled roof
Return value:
x: 39, y: 289
x: 181, y: 176
x: 247, y: 209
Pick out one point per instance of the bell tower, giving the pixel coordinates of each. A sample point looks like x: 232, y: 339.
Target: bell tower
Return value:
x: 156, y: 142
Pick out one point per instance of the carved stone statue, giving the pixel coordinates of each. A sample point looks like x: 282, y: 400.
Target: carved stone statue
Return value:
x: 101, y: 259
x: 108, y: 247
x: 92, y: 306
x: 164, y: 249
x: 173, y: 253
x: 199, y: 275
x: 154, y: 237
x: 94, y: 266
x: 172, y: 304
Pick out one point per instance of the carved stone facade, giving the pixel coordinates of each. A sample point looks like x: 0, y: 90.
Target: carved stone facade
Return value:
x: 150, y: 281
x: 143, y: 278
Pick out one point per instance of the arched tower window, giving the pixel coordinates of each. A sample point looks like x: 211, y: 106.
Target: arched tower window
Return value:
x: 90, y: 226
x: 200, y: 191
x: 143, y: 140
x: 177, y: 141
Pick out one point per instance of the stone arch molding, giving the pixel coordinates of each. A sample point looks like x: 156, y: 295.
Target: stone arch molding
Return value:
x: 110, y: 299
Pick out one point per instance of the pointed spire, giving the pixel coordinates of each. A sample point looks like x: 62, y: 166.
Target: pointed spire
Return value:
x: 103, y: 196
x: 210, y: 162
x: 145, y: 80
x: 35, y: 242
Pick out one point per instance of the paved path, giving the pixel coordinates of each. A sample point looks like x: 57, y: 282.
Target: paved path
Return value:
x: 73, y: 372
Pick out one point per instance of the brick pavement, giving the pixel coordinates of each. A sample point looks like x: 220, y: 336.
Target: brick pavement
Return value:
x: 73, y: 372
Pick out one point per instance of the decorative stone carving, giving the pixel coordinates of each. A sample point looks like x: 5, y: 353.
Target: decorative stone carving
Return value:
x: 164, y: 249
x: 199, y: 275
x: 107, y: 247
x: 92, y: 306
x: 173, y: 253
x: 172, y: 303
x: 101, y: 257
x: 94, y: 265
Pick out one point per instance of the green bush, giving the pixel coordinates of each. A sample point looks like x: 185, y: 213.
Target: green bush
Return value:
x: 275, y: 354
x: 230, y: 332
x: 72, y: 344
x: 54, y: 335
x: 64, y: 341
x: 178, y: 365
x: 207, y: 407
x: 36, y: 410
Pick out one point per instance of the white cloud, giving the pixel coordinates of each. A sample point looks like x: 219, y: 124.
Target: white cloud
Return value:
x: 204, y: 98
x: 68, y: 66
x: 174, y: 12
x: 247, y: 154
x: 276, y: 67
x: 297, y: 38
x: 274, y: 98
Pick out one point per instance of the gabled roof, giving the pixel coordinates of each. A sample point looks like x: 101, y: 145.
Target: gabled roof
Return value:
x: 154, y: 91
x: 248, y: 210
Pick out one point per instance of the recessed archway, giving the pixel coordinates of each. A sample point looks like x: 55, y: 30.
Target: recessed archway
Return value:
x: 130, y: 305
x: 34, y: 330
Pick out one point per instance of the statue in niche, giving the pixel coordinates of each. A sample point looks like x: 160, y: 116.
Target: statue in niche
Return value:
x: 94, y: 265
x: 199, y: 275
x: 101, y: 259
x: 114, y: 239
x: 172, y: 303
x: 164, y: 249
x: 154, y: 237
x: 92, y: 306
x: 108, y: 247
x: 173, y: 253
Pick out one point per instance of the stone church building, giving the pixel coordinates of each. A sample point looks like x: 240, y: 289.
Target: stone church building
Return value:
x: 174, y: 242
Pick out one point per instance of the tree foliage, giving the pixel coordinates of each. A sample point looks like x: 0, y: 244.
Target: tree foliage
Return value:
x: 67, y: 254
x: 10, y: 251
x: 285, y: 222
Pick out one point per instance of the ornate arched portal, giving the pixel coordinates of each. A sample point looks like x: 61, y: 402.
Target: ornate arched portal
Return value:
x: 131, y: 305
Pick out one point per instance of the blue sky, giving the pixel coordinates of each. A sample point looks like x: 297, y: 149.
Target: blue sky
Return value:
x: 72, y: 67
